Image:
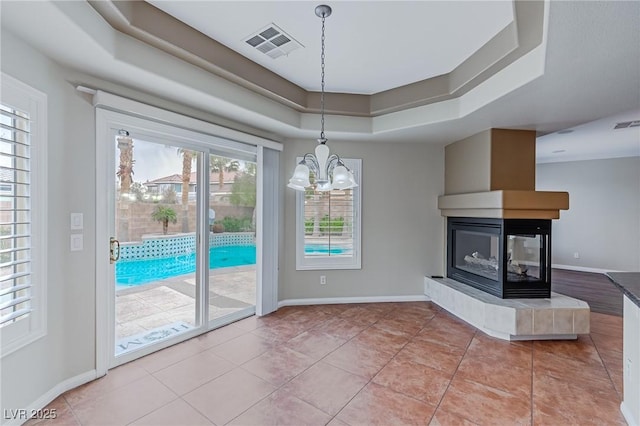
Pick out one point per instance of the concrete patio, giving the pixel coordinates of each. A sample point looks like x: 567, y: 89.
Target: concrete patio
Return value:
x: 146, y: 307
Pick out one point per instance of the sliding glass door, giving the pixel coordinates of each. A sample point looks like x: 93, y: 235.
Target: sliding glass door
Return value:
x: 182, y: 236
x: 186, y: 228
x: 155, y: 250
x: 232, y: 237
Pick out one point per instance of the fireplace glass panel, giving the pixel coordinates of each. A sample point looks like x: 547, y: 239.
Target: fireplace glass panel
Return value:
x: 508, y: 258
x: 524, y: 262
x: 478, y: 253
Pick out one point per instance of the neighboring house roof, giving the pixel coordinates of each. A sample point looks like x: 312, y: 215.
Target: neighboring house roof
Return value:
x: 229, y: 177
x: 166, y: 179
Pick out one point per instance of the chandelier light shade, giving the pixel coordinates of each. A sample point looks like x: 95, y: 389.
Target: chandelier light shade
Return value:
x: 328, y: 170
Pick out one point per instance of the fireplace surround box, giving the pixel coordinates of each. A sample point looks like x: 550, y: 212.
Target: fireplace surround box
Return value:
x: 498, y: 271
x: 508, y: 258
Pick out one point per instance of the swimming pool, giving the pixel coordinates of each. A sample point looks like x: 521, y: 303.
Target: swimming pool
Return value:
x: 135, y: 272
x: 323, y: 250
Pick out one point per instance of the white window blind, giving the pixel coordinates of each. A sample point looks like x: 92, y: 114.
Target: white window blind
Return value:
x: 328, y: 223
x: 15, y: 215
x: 23, y: 205
x: 328, y: 226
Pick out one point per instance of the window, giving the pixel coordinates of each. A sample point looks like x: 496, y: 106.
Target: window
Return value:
x: 22, y: 207
x: 328, y: 226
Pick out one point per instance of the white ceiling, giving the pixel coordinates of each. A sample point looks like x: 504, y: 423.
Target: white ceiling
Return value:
x: 591, y: 140
x: 370, y: 46
x: 589, y: 73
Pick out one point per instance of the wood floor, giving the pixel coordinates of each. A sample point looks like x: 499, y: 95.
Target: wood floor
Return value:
x: 595, y: 289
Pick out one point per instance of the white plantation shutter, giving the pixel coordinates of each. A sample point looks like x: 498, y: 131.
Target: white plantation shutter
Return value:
x: 22, y: 213
x: 328, y: 218
x: 15, y: 215
x: 328, y: 226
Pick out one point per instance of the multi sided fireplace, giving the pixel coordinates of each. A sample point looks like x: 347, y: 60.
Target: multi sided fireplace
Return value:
x: 508, y: 258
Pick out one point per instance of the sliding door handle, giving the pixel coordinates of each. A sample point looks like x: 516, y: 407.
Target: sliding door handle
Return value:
x: 114, y: 250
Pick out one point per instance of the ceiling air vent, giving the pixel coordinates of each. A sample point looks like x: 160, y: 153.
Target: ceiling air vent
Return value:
x: 625, y: 124
x: 273, y: 42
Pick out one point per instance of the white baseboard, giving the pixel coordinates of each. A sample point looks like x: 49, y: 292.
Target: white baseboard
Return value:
x: 53, y: 393
x: 626, y: 412
x: 342, y: 300
x: 583, y: 269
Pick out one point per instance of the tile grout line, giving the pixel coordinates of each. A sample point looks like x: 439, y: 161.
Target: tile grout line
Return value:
x: 606, y: 368
x: 454, y: 375
x: 387, y: 363
x: 196, y: 410
x: 181, y: 397
x: 532, y: 399
x: 348, y: 372
x: 302, y: 372
x: 292, y: 378
x: 73, y: 412
x: 379, y: 316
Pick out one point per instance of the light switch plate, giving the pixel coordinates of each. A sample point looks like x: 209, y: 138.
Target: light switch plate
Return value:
x: 77, y: 242
x: 77, y: 220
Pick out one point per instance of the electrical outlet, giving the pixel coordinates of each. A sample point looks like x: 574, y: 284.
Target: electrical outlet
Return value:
x: 576, y: 255
x: 323, y: 279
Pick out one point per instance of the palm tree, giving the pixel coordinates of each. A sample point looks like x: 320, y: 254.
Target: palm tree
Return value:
x: 221, y: 165
x: 164, y: 215
x: 125, y: 174
x: 125, y: 169
x: 187, y: 160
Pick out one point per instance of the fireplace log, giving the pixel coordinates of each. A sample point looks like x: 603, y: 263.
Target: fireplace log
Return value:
x: 512, y: 266
x: 490, y: 263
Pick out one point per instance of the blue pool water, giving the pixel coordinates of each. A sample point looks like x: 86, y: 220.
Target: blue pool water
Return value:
x: 135, y: 272
x: 130, y: 273
x: 319, y: 249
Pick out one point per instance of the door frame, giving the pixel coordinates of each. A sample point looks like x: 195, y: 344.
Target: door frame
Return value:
x: 113, y: 113
x: 154, y: 133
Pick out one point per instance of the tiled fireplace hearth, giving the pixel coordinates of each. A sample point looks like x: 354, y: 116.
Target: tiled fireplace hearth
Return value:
x: 556, y: 317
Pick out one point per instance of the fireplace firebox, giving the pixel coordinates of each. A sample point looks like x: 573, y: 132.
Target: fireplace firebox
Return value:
x: 508, y: 258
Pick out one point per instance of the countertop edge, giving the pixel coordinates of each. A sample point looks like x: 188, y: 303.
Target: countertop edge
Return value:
x: 622, y: 281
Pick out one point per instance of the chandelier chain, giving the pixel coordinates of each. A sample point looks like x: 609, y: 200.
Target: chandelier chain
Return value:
x: 322, y: 83
x: 326, y: 170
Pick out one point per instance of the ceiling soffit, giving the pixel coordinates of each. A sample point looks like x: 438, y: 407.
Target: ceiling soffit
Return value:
x: 161, y: 30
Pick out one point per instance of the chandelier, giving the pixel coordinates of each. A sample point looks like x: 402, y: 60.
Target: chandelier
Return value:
x: 329, y: 171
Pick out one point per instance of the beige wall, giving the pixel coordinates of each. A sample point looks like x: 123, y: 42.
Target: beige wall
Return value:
x: 402, y: 230
x: 468, y: 164
x: 68, y: 348
x: 491, y: 160
x: 602, y: 224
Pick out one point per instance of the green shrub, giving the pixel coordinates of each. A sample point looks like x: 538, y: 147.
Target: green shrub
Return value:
x: 308, y: 226
x: 236, y: 224
x: 331, y: 226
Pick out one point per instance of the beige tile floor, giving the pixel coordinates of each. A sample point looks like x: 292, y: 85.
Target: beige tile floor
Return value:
x: 163, y: 302
x: 368, y: 364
